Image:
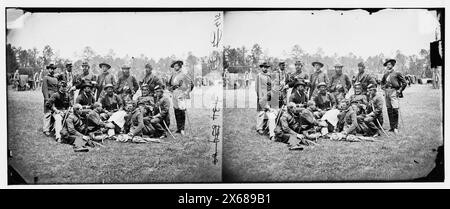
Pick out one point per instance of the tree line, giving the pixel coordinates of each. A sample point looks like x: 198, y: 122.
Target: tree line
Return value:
x: 241, y: 59
x: 29, y: 61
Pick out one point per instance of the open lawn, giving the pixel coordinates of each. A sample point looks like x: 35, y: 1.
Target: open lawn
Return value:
x: 186, y: 159
x: 249, y: 157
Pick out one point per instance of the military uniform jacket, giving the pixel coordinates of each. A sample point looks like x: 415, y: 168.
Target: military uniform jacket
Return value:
x: 180, y: 85
x: 152, y: 80
x: 350, y: 121
x: 296, y: 76
x: 393, y: 80
x: 365, y: 79
x: 289, y: 124
x: 104, y: 79
x: 49, y: 86
x: 137, y: 121
x: 325, y: 102
x: 318, y: 77
x: 74, y: 125
x: 263, y: 84
x: 60, y: 100
x: 376, y: 105
x: 85, y: 99
x: 359, y: 98
x: 342, y: 80
x: 279, y: 78
x: 68, y: 77
x: 129, y: 81
x: 94, y: 120
x: 82, y: 77
x: 111, y: 104
x: 298, y: 97
x: 161, y: 109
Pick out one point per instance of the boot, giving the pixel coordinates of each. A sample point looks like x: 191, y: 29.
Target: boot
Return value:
x: 390, y: 113
x: 395, y: 119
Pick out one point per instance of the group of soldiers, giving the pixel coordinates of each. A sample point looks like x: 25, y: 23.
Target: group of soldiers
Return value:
x: 104, y: 107
x: 297, y: 108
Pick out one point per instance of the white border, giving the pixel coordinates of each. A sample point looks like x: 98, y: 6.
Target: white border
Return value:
x: 231, y: 4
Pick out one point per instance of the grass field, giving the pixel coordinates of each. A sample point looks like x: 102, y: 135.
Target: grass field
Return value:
x: 34, y: 155
x: 249, y: 157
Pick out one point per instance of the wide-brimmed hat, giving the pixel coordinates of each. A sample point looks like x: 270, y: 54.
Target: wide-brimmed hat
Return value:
x: 68, y: 64
x: 148, y: 66
x: 372, y: 86
x: 105, y: 64
x: 299, y: 82
x: 317, y: 62
x: 108, y: 85
x: 125, y: 66
x: 393, y: 61
x: 86, y: 83
x: 51, y: 66
x: 338, y: 65
x: 321, y: 84
x: 179, y: 62
x: 264, y: 64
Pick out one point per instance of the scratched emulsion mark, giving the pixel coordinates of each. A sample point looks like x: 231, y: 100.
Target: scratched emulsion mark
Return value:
x: 217, y: 32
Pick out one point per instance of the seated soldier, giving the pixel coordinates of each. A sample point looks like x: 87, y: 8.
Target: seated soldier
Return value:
x: 111, y: 102
x: 59, y: 103
x: 73, y: 129
x: 349, y: 122
x: 339, y: 94
x: 85, y: 97
x: 266, y: 118
x: 324, y: 100
x: 358, y: 96
x: 160, y: 120
x: 137, y: 125
x: 146, y: 101
x: 95, y: 124
x: 298, y: 95
x: 289, y: 128
x: 374, y: 117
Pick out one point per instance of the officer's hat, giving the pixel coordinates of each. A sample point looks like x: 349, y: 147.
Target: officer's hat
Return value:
x: 68, y: 64
x: 179, y: 62
x: 317, y: 62
x: 264, y: 65
x: 357, y: 84
x: 338, y: 65
x: 85, y: 64
x: 105, y: 64
x: 51, y: 66
x: 298, y: 83
x: 393, y: 61
x: 298, y: 62
x: 107, y: 86
x: 125, y: 66
x: 86, y: 83
x: 372, y: 87
x: 321, y: 84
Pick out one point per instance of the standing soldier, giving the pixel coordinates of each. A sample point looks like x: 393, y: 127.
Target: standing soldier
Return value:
x: 16, y: 80
x: 363, y: 78
x: 59, y: 103
x: 393, y: 84
x: 279, y: 81
x: 127, y: 85
x: 103, y: 79
x: 84, y: 76
x: 49, y: 87
x: 68, y: 77
x: 264, y: 101
x: 180, y: 85
x: 339, y: 79
x: 151, y: 80
x: 317, y: 77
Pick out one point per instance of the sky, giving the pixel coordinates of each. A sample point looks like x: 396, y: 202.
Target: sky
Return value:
x: 155, y: 35
x: 354, y: 31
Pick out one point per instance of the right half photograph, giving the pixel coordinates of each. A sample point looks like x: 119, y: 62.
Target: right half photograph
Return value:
x: 333, y: 95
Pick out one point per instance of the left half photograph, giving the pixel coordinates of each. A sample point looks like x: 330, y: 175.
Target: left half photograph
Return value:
x: 113, y: 97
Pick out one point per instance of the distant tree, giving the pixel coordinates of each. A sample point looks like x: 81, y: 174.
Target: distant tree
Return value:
x: 88, y: 53
x: 11, y: 61
x: 256, y: 53
x: 297, y: 52
x: 47, y: 55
